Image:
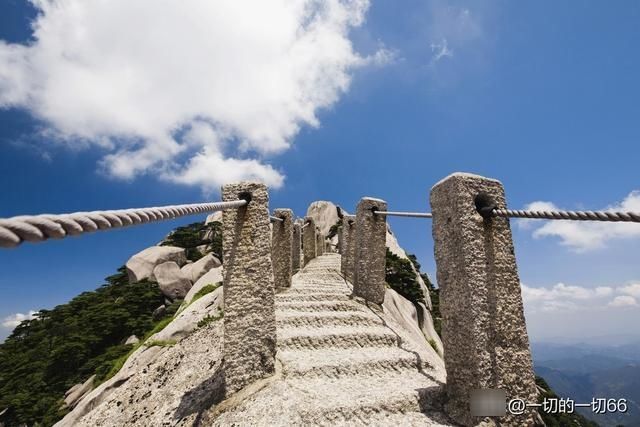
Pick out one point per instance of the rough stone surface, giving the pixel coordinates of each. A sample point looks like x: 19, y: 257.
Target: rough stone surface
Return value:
x: 214, y: 217
x: 309, y: 239
x: 159, y: 312
x: 484, y: 333
x: 163, y: 385
x: 196, y: 270
x: 370, y: 250
x: 171, y: 280
x: 349, y: 251
x: 132, y: 340
x: 324, y: 214
x: 319, y: 243
x: 249, y: 318
x: 296, y: 247
x: 212, y: 277
x: 281, y: 248
x: 141, y: 265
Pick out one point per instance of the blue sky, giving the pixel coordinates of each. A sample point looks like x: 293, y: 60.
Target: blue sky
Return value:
x: 397, y: 95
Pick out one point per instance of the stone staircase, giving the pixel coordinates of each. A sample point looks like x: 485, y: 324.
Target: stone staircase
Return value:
x: 341, y: 362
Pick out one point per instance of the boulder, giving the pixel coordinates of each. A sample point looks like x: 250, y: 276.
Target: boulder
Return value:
x: 214, y: 217
x: 171, y: 280
x: 132, y: 340
x: 201, y: 267
x: 77, y: 392
x: 187, y: 320
x: 212, y: 277
x: 141, y: 265
x: 325, y: 214
x: 159, y: 312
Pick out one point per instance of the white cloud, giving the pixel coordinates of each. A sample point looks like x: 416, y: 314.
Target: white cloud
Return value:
x: 440, y: 50
x: 633, y: 290
x: 623, y: 301
x: 13, y: 320
x: 585, y: 235
x: 195, y: 91
x: 452, y: 29
x: 572, y: 298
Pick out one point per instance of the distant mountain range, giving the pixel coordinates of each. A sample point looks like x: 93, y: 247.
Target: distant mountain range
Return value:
x: 583, y: 371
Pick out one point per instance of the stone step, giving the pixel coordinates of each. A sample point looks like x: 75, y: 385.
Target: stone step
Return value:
x: 347, y: 401
x: 311, y: 297
x: 315, y: 306
x: 336, y: 337
x: 322, y: 319
x: 300, y: 290
x: 339, y: 363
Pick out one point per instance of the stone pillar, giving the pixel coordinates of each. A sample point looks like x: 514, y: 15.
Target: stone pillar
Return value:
x: 309, y: 239
x: 281, y: 248
x: 249, y: 306
x: 296, y: 247
x: 319, y: 243
x: 348, y: 247
x: 484, y: 333
x: 370, y: 250
x: 340, y: 240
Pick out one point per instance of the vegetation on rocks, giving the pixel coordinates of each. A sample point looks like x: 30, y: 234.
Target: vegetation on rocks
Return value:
x: 64, y: 346
x: 197, y: 234
x: 401, y: 278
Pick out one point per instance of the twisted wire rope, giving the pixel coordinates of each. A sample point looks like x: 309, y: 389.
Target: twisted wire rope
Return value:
x: 608, y: 216
x: 37, y: 228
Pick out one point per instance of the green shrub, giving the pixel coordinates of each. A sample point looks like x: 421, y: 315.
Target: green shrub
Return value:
x: 401, y: 278
x: 160, y: 343
x: 193, y: 235
x: 433, y: 344
x: 208, y: 319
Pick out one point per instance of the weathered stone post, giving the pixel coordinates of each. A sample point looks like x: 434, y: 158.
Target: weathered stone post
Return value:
x: 296, y: 247
x: 340, y: 239
x: 319, y: 243
x: 484, y: 333
x: 281, y: 248
x: 370, y: 248
x: 348, y: 247
x: 309, y: 239
x: 249, y: 306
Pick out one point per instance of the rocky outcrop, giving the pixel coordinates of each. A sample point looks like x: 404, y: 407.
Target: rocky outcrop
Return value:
x: 324, y: 214
x: 141, y: 265
x: 171, y: 280
x: 212, y: 277
x: 214, y: 217
x: 77, y: 392
x: 170, y: 379
x: 132, y: 340
x: 196, y: 270
x: 405, y: 314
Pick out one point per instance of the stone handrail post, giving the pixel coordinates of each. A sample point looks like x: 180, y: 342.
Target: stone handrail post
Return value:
x: 348, y: 247
x: 309, y: 239
x: 370, y: 242
x: 249, y: 294
x: 296, y: 247
x: 281, y: 248
x: 319, y: 243
x: 484, y: 333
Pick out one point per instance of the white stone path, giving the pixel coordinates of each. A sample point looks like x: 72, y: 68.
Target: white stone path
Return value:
x: 341, y: 362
